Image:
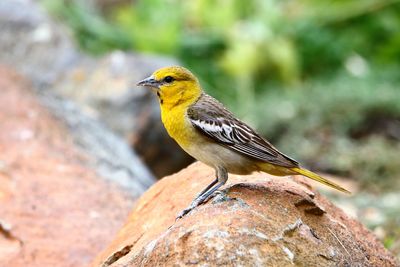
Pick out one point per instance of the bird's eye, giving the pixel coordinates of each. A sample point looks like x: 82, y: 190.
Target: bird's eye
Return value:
x: 168, y: 79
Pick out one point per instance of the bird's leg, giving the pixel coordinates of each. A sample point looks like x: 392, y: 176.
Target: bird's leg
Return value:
x: 208, y: 186
x: 222, y: 177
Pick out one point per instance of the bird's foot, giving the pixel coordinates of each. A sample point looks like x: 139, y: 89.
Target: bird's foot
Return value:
x: 198, y: 201
x: 183, y: 213
x: 193, y: 205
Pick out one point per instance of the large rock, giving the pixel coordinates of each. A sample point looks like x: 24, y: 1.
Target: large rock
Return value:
x: 103, y: 87
x: 57, y: 207
x: 259, y: 220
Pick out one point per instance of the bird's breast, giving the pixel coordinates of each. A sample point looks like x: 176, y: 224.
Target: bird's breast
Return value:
x: 178, y: 126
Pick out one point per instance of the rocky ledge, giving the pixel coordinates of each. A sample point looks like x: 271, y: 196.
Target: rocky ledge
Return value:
x: 257, y: 220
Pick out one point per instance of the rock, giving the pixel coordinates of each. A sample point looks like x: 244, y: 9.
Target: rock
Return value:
x: 55, y: 208
x: 36, y: 46
x: 110, y: 156
x: 103, y: 87
x: 257, y: 220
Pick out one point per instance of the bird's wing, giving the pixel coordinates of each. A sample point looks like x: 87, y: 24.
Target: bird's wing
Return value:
x: 212, y: 119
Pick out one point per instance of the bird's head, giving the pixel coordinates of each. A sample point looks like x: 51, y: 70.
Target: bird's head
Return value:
x: 174, y: 85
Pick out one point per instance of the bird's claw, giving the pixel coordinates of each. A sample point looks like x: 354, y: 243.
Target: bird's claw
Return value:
x: 196, y: 203
x: 182, y: 213
x: 193, y: 205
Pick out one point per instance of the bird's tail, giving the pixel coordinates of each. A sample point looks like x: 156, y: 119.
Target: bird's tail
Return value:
x: 320, y: 179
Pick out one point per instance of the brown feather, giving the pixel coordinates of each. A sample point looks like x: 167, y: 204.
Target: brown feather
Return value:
x: 212, y: 119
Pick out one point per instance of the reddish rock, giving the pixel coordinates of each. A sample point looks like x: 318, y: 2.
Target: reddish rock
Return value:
x: 260, y: 220
x: 54, y: 209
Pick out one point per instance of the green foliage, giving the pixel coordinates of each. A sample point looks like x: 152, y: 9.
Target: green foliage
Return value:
x: 244, y: 40
x: 91, y: 31
x: 335, y: 32
x: 154, y: 25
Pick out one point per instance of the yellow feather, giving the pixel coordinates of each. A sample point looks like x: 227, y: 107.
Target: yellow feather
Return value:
x: 320, y: 179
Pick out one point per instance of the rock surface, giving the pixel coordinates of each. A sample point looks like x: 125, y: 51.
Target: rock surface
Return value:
x: 258, y: 220
x: 55, y: 210
x: 103, y: 87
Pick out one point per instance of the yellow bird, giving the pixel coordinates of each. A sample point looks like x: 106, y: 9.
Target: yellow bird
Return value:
x: 210, y: 133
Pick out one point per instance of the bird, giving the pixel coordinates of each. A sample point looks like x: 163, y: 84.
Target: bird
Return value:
x: 210, y: 133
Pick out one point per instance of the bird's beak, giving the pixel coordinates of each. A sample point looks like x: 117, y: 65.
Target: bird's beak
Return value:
x: 149, y: 81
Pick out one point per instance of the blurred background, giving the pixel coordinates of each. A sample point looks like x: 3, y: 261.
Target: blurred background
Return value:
x: 319, y: 79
